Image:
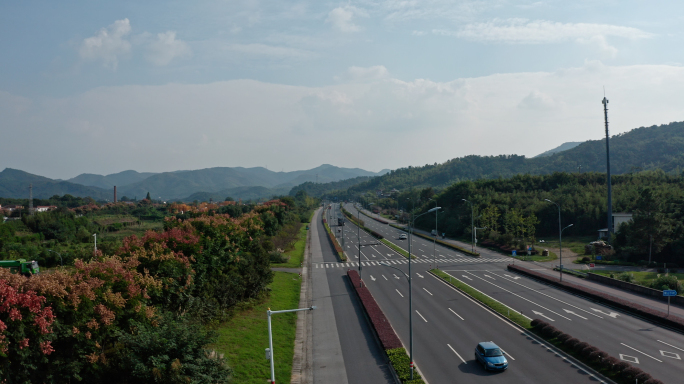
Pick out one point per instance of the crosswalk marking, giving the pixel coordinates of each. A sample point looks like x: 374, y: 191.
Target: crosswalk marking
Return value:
x: 405, y: 261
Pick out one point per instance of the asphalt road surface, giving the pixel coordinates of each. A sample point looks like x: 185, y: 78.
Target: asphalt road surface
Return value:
x: 447, y: 325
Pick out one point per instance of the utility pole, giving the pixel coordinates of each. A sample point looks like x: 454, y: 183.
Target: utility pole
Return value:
x: 610, y: 189
x: 30, y: 199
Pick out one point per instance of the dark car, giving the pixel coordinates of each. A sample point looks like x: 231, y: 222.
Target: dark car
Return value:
x: 490, y: 356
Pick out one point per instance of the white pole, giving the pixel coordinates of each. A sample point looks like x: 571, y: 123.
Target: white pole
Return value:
x: 95, y: 236
x: 270, y: 345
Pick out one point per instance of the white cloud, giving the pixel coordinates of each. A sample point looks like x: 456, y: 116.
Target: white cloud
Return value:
x: 249, y: 123
x: 165, y: 48
x: 258, y: 49
x: 361, y: 74
x: 521, y: 31
x: 599, y: 42
x: 108, y: 45
x: 341, y: 18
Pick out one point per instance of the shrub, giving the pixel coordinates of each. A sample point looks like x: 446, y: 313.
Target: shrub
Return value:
x: 277, y: 257
x: 564, y: 337
x: 643, y: 377
x: 585, y: 352
x: 653, y: 381
x: 580, y: 346
x: 630, y: 373
x: 626, y: 277
x: 620, y: 366
x: 586, y: 260
x: 538, y: 323
x: 549, y: 331
x: 572, y: 342
x: 666, y: 282
x: 597, y: 356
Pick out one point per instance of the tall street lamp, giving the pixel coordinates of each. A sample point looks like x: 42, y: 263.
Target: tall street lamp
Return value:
x: 476, y: 233
x: 269, y: 350
x: 413, y: 222
x: 61, y: 263
x: 359, y: 245
x: 560, y: 238
x: 434, y: 238
x: 472, y: 225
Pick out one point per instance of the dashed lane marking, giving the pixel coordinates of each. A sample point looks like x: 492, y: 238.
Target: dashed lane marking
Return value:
x: 399, y: 293
x: 421, y: 316
x: 459, y: 316
x: 459, y: 356
x: 670, y: 345
x: 428, y: 292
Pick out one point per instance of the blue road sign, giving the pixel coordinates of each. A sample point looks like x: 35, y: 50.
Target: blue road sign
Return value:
x: 669, y: 292
x: 515, y: 253
x: 599, y: 257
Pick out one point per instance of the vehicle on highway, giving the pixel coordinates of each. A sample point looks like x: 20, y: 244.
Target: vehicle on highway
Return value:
x: 434, y: 232
x: 402, y: 236
x: 490, y: 356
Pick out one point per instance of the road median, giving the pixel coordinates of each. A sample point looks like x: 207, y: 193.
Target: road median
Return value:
x: 444, y: 243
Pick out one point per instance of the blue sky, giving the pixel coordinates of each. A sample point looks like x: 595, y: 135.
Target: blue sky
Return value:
x: 101, y: 87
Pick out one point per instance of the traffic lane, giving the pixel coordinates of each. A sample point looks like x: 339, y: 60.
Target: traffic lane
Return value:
x: 638, y: 343
x: 440, y: 329
x: 363, y: 357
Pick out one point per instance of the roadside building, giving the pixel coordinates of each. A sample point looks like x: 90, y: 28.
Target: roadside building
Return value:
x: 619, y: 219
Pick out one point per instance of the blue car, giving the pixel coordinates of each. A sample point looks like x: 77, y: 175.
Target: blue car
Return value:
x: 491, y: 356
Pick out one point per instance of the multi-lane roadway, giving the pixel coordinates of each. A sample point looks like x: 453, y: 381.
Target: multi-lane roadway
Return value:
x: 447, y: 325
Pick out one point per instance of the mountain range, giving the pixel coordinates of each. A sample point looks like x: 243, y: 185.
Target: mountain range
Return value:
x: 645, y: 148
x: 218, y: 183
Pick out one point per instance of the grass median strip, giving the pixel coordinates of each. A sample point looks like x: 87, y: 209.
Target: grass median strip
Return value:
x: 484, y: 299
x: 244, y: 337
x: 396, y: 248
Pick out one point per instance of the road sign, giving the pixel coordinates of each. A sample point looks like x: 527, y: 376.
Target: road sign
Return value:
x: 515, y: 253
x: 599, y: 257
x: 591, y: 265
x: 669, y: 292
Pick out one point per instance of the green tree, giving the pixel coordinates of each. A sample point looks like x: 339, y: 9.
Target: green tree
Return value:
x: 148, y: 196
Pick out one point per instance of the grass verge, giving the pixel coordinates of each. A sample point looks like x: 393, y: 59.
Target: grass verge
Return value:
x: 484, y: 299
x: 401, y: 363
x: 396, y: 248
x: 244, y: 338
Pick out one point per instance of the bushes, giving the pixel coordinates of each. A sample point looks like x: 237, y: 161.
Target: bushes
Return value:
x: 388, y: 338
x: 663, y: 282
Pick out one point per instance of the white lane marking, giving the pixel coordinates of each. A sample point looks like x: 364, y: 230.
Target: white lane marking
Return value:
x: 395, y: 276
x: 459, y: 356
x: 645, y: 354
x: 489, y: 277
x: 542, y: 315
x: 467, y: 277
x: 512, y: 277
x: 509, y: 355
x: 327, y: 266
x: 421, y: 316
x: 459, y: 316
x: 399, y: 292
x: 629, y: 358
x: 671, y: 355
x: 612, y: 314
x: 428, y: 292
x: 372, y: 278
x: 316, y: 265
x: 670, y: 345
x: 383, y: 276
x: 569, y: 311
x: 419, y: 275
x: 515, y: 294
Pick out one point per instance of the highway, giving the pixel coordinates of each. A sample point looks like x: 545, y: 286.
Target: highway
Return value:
x: 656, y: 350
x: 447, y: 324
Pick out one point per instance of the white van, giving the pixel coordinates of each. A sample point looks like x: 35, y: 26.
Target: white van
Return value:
x: 434, y: 232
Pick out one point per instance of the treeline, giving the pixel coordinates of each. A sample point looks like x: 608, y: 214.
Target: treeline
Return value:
x: 138, y: 314
x: 332, y: 188
x: 517, y: 207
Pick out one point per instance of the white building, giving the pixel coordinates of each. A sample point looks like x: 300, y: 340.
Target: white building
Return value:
x: 618, y: 219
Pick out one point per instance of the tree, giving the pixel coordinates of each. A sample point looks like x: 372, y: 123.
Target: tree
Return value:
x: 148, y: 196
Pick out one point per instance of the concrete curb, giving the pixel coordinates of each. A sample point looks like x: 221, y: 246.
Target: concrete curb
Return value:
x: 302, y: 369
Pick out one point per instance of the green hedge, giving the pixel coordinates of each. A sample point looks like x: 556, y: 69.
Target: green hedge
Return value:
x: 444, y: 243
x: 336, y: 245
x: 402, y: 366
x: 396, y: 248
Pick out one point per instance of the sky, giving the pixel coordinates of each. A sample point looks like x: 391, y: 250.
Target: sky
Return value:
x: 106, y: 86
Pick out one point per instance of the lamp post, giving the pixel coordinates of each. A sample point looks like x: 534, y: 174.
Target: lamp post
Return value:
x: 410, y: 278
x: 359, y: 245
x: 61, y: 263
x: 560, y: 238
x: 434, y: 238
x: 476, y: 233
x: 269, y: 351
x: 472, y: 225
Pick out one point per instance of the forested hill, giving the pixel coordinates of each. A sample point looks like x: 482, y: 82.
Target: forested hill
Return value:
x: 645, y: 148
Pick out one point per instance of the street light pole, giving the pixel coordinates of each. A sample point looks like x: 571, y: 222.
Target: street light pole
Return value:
x: 95, y: 236
x: 410, y: 279
x: 472, y: 225
x: 560, y: 238
x: 434, y: 239
x: 476, y: 233
x: 269, y: 352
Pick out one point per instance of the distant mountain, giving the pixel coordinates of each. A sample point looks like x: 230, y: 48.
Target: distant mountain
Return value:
x: 109, y: 181
x: 560, y: 148
x: 646, y: 148
x: 219, y: 182
x: 15, y: 184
